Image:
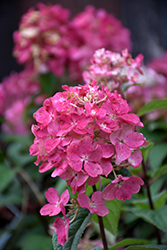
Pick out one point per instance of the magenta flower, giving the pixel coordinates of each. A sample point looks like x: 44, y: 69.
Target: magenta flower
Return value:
x: 95, y: 205
x: 122, y: 188
x: 61, y: 228
x: 81, y: 154
x: 76, y: 179
x: 125, y: 140
x: 56, y: 204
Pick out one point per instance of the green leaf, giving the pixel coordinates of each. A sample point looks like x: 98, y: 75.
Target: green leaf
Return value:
x: 147, y: 247
x: 19, y: 154
x: 96, y: 248
x: 76, y: 229
x: 25, y: 140
x: 7, y: 174
x: 145, y: 151
x: 49, y: 82
x: 159, y: 201
x: 111, y: 220
x: 158, y: 218
x: 41, y: 242
x: 153, y: 105
x: 157, y: 155
x: 10, y: 199
x: 127, y: 242
x: 160, y: 171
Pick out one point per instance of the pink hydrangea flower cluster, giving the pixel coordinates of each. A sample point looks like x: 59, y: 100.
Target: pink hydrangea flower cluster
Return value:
x: 43, y: 38
x: 16, y: 93
x: 112, y: 69
x: 50, y: 41
x: 97, y: 29
x: 83, y: 133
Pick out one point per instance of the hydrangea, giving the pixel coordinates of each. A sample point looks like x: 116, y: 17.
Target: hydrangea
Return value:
x: 43, y: 38
x: 16, y: 92
x: 83, y: 134
x: 96, y: 29
x: 49, y: 41
x: 113, y: 69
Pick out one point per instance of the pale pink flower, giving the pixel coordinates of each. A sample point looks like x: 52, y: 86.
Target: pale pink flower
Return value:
x: 113, y: 69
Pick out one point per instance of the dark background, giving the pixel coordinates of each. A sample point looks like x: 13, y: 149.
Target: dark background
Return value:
x: 147, y: 20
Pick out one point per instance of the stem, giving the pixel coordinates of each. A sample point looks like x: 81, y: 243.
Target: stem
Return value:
x: 103, y: 236
x: 150, y: 200
x: 121, y: 92
x: 33, y: 186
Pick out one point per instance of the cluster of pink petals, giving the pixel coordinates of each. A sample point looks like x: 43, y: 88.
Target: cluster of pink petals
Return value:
x: 82, y: 133
x: 16, y: 93
x: 42, y: 38
x: 100, y: 29
x: 49, y: 41
x: 112, y: 69
x: 97, y: 29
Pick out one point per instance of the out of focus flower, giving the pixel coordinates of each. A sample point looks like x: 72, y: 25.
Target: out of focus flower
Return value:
x: 113, y: 69
x: 43, y: 38
x: 152, y: 86
x: 159, y: 64
x: 97, y: 29
x: 16, y: 92
x: 49, y: 41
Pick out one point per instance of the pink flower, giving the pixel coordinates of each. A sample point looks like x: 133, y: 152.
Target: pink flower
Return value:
x: 82, y: 153
x: 76, y: 179
x: 95, y: 205
x: 113, y: 69
x: 55, y: 203
x: 43, y: 38
x: 122, y: 188
x: 16, y: 93
x: 82, y: 132
x: 61, y: 228
x: 125, y: 140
